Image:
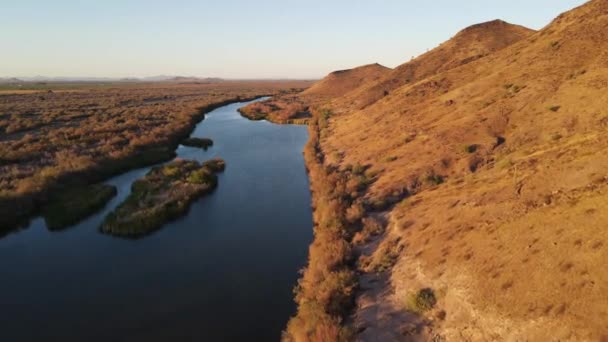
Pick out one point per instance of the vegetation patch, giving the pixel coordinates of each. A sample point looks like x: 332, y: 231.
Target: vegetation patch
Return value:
x: 325, y: 292
x: 198, y: 142
x: 73, y: 205
x: 164, y: 194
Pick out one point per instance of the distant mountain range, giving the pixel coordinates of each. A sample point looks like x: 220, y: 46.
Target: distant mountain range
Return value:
x: 159, y: 78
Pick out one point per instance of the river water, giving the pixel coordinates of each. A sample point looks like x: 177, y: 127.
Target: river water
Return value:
x: 224, y: 272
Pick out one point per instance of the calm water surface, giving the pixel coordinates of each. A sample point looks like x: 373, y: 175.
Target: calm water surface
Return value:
x: 224, y: 272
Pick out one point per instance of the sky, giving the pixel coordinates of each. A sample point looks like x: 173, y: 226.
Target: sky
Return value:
x: 237, y: 38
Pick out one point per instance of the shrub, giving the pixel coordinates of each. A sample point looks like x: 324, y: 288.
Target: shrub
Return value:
x: 354, y: 213
x: 371, y: 227
x: 314, y: 325
x: 471, y: 148
x: 201, y: 176
x: 384, y: 258
x: 421, y: 301
x: 556, y: 136
x: 170, y: 171
x: 390, y: 159
x: 434, y: 179
x: 378, y: 204
x: 409, y: 138
x: 358, y: 169
x: 554, y: 108
x: 215, y: 165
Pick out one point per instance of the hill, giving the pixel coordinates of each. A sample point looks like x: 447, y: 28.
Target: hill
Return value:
x: 290, y: 108
x: 341, y: 82
x: 479, y: 187
x: 468, y: 45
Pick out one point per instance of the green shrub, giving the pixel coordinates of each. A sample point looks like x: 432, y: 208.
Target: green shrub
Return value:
x: 421, y: 301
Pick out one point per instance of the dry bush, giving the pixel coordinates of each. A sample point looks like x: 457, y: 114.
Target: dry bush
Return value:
x: 325, y: 293
x: 371, y: 227
x: 384, y: 258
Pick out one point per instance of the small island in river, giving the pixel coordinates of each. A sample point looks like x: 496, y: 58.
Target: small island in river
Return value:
x: 198, y: 142
x: 164, y: 194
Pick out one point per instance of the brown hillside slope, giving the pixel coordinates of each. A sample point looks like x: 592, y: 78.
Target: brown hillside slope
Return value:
x: 341, y: 82
x: 504, y: 160
x: 468, y: 45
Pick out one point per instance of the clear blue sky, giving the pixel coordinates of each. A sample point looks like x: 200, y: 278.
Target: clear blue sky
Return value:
x: 237, y: 38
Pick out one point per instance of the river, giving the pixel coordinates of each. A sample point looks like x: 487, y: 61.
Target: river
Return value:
x: 224, y: 272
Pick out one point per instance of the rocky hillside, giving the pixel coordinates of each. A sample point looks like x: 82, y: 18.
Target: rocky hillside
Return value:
x: 487, y: 168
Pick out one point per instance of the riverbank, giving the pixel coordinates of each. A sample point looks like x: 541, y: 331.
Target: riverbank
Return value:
x: 284, y: 110
x: 326, y: 290
x: 70, y: 165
